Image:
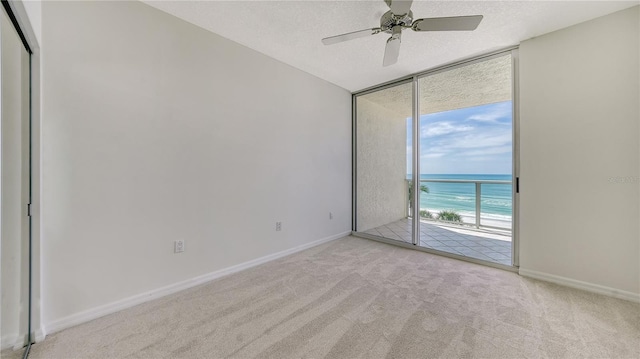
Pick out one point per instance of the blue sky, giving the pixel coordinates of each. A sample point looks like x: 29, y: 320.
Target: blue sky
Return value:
x: 473, y: 140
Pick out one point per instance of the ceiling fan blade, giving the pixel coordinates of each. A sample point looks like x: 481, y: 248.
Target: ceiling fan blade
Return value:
x: 392, y: 49
x: 400, y: 7
x: 455, y: 23
x: 350, y: 36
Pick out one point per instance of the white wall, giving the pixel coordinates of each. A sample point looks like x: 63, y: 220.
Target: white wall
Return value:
x: 33, y: 9
x: 579, y: 91
x: 155, y: 130
x: 381, y: 156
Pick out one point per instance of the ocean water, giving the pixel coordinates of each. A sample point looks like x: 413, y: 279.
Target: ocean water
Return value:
x: 496, y: 199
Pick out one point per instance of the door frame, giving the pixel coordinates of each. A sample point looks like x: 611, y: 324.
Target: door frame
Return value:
x: 515, y: 220
x: 21, y: 21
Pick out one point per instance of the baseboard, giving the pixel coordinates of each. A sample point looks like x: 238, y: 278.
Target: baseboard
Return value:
x: 40, y: 334
x: 119, y: 305
x: 589, y: 287
x: 11, y: 341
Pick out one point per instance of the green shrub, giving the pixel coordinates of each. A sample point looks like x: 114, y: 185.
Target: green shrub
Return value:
x: 426, y: 214
x: 423, y: 189
x: 450, y: 216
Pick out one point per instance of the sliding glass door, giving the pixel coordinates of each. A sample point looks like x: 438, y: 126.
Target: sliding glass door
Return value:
x: 383, y: 155
x: 466, y: 158
x: 462, y: 202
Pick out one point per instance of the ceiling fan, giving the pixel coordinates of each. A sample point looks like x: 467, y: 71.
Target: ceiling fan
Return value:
x: 400, y: 17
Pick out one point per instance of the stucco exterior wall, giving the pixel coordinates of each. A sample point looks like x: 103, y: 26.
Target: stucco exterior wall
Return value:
x: 381, y: 165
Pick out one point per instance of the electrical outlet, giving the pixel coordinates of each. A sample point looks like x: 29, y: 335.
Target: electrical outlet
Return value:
x: 278, y: 226
x: 178, y: 246
x: 330, y: 215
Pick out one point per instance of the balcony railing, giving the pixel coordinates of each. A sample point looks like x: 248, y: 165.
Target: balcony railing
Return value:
x: 478, y: 201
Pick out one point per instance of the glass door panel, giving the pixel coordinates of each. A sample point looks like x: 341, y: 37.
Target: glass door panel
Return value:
x: 383, y: 164
x: 466, y: 157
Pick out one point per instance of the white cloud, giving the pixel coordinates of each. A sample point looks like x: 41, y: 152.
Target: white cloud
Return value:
x: 475, y: 141
x: 443, y: 128
x: 433, y: 155
x: 492, y: 138
x: 497, y: 112
x: 497, y: 150
x: 492, y: 142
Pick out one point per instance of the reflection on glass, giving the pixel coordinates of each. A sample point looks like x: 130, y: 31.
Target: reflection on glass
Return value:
x: 383, y: 162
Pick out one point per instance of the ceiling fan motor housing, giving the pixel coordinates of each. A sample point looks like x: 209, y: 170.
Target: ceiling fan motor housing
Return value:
x: 389, y: 20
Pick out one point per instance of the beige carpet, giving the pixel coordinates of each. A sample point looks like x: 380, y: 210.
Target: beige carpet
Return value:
x: 355, y: 298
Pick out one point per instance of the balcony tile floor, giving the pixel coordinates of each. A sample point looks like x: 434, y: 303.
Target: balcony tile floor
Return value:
x: 480, y: 244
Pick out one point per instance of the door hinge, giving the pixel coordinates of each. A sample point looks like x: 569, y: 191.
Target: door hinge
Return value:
x: 28, y: 209
x: 517, y: 184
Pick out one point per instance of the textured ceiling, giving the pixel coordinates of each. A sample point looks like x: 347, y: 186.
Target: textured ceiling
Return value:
x: 467, y: 86
x: 290, y: 31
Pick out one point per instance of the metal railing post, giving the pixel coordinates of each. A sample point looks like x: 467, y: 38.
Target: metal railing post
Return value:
x: 407, y: 199
x: 415, y: 125
x: 478, y: 198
